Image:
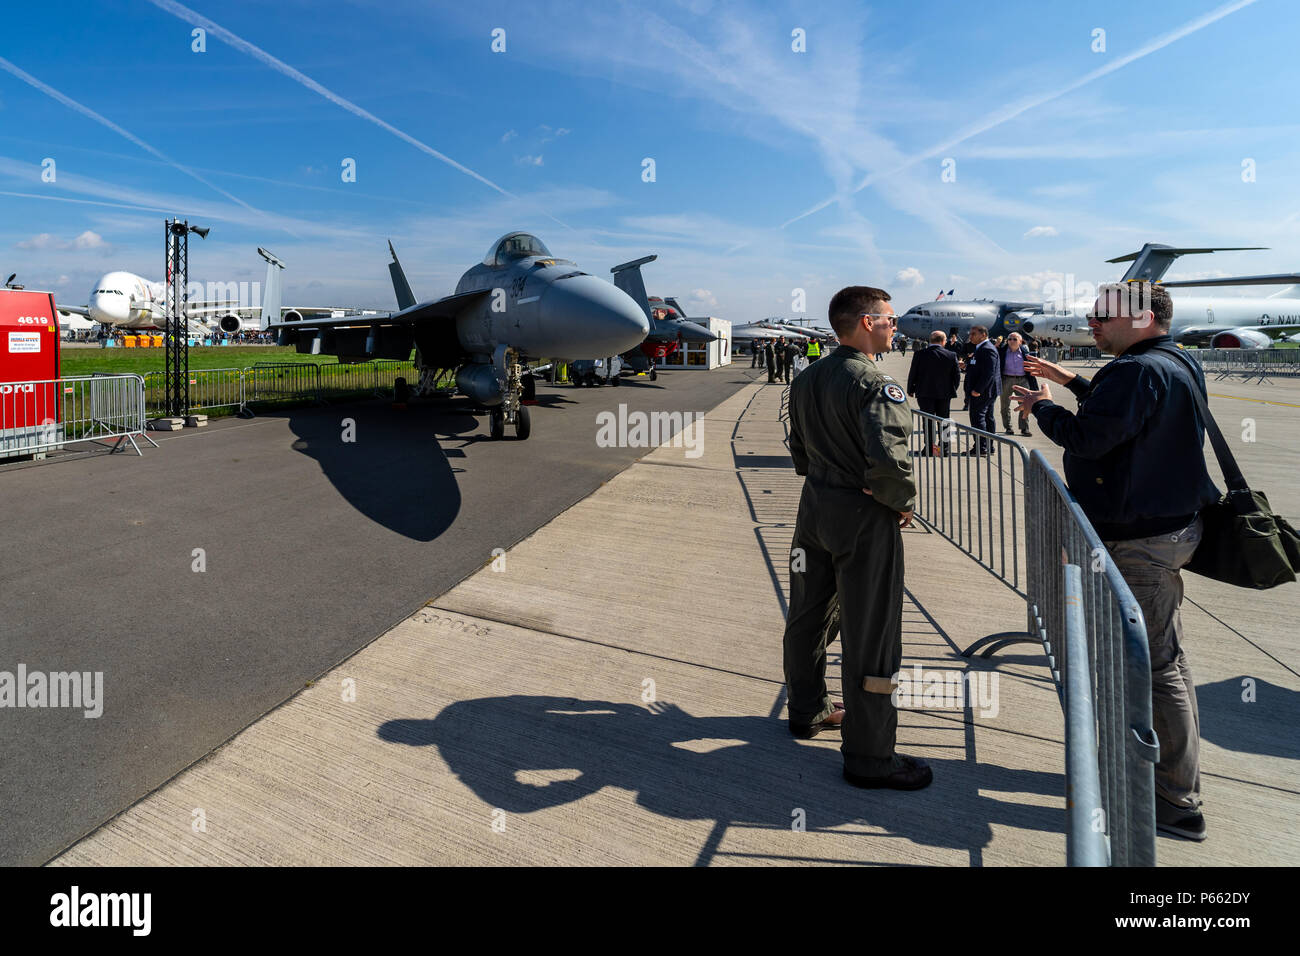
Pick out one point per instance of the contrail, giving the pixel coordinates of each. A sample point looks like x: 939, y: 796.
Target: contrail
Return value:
x: 1011, y: 112
x: 104, y: 121
x: 183, y: 12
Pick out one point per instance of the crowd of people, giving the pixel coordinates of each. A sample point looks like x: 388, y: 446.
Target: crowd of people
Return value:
x: 1133, y: 458
x: 781, y: 357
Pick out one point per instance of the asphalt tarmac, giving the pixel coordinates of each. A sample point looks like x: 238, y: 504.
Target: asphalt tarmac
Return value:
x: 311, y: 547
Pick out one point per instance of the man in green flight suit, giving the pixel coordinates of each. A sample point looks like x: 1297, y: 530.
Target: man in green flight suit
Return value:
x: 849, y: 425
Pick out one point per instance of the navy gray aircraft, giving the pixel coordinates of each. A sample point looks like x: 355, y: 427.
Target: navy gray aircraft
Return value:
x: 519, y: 304
x: 1217, y: 322
x: 669, y: 328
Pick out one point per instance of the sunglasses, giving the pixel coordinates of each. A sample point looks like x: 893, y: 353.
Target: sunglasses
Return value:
x: 1100, y: 319
x: 891, y: 316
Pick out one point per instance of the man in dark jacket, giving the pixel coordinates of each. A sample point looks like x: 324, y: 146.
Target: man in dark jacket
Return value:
x: 1011, y: 366
x: 791, y: 351
x: 769, y: 357
x: 933, y: 379
x: 1135, y: 461
x: 983, y: 382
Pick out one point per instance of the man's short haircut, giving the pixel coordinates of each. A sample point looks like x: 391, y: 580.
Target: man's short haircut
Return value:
x: 937, y: 337
x: 979, y: 328
x: 1137, y: 296
x: 850, y: 303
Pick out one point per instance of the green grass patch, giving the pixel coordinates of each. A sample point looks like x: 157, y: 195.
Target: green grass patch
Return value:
x: 120, y: 361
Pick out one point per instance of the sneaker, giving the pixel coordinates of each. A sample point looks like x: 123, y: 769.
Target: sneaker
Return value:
x: 1008, y: 432
x: 911, y: 773
x: 1179, y: 821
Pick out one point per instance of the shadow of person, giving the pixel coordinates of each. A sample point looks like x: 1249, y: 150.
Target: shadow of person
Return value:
x: 524, y: 754
x: 1262, y: 725
x: 386, y: 463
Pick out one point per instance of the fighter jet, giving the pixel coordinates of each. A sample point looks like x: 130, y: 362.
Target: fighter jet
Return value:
x: 668, y: 330
x: 519, y: 304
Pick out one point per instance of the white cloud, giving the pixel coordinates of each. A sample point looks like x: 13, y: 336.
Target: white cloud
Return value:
x: 44, y: 240
x: 1041, y: 231
x: 508, y: 136
x: 910, y: 276
x: 528, y: 160
x: 703, y: 297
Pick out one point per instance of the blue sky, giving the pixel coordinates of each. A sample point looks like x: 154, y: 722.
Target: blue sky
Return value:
x: 1063, y: 156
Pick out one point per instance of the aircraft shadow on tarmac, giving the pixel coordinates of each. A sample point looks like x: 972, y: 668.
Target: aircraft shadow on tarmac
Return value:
x: 1265, y: 725
x: 394, y: 472
x: 524, y: 754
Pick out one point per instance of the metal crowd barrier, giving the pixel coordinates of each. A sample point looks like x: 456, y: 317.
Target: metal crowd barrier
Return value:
x: 44, y: 416
x: 1078, y: 607
x: 975, y: 501
x: 1091, y: 628
x: 210, y: 388
x: 1258, y: 364
x: 274, y: 382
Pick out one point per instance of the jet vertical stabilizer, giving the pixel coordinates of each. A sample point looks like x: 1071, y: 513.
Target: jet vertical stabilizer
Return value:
x: 1153, y: 260
x: 627, y: 277
x: 271, y: 291
x: 402, y: 288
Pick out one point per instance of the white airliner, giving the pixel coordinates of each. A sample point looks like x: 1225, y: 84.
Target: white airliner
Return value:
x: 1215, y: 322
x: 124, y: 300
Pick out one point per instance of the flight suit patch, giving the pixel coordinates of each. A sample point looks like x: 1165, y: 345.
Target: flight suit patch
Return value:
x: 894, y: 393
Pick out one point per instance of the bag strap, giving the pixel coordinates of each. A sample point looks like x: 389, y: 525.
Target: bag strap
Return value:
x: 1236, y: 481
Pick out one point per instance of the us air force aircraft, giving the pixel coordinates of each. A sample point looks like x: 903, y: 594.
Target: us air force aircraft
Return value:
x: 519, y: 303
x: 1216, y: 322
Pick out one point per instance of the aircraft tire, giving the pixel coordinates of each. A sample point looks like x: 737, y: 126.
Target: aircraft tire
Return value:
x: 497, y: 423
x: 654, y: 374
x: 523, y: 424
x: 615, y: 380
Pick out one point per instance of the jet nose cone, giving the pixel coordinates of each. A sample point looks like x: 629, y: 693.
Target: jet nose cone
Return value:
x: 109, y: 309
x: 693, y: 332
x: 590, y: 318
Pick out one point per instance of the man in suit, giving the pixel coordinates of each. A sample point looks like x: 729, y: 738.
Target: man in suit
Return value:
x: 983, y: 382
x: 791, y: 351
x: 1011, y: 364
x: 933, y: 379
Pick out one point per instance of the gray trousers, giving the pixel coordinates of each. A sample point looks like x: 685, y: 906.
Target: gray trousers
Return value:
x: 1151, y: 566
x: 847, y: 568
x: 1008, y: 397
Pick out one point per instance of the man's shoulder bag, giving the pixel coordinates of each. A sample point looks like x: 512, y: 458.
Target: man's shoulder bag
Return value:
x: 1244, y: 543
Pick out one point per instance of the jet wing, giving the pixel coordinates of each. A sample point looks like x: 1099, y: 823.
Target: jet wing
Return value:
x: 427, y: 326
x: 448, y: 307
x: 75, y: 310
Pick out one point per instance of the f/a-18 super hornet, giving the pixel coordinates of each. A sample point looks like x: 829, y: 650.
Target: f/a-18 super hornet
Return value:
x: 669, y: 329
x: 519, y: 304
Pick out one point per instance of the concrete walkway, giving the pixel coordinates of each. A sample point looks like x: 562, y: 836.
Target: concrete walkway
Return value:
x: 610, y: 692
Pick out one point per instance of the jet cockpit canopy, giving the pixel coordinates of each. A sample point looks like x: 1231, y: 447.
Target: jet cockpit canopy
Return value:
x: 515, y: 245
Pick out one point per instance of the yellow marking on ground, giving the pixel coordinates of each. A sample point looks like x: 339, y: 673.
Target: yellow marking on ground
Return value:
x: 1261, y: 401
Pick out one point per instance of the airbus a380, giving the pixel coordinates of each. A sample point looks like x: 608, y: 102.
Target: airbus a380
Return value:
x: 124, y: 300
x: 1216, y: 322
